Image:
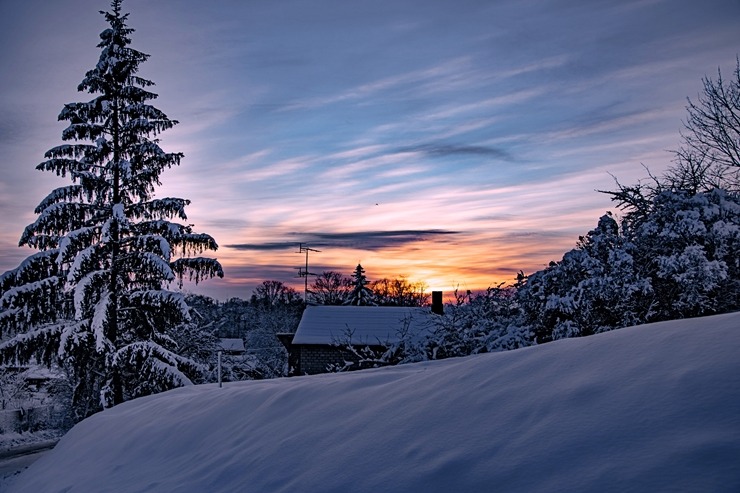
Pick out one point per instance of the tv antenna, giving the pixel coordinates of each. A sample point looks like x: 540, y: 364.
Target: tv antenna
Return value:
x: 304, y: 272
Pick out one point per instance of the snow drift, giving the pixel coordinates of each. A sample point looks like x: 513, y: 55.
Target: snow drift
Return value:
x: 648, y: 408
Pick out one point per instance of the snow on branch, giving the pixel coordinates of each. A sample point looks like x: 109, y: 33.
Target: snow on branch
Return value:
x: 74, y: 151
x: 148, y: 356
x: 144, y: 110
x: 194, y: 243
x: 147, y: 148
x: 75, y: 241
x: 116, y: 222
x: 84, y: 291
x: 163, y: 301
x: 137, y: 94
x: 61, y: 166
x: 160, y: 209
x: 73, y: 335
x: 147, y: 265
x: 38, y: 265
x: 83, y: 131
x: 196, y: 268
x: 82, y: 263
x: 41, y: 342
x: 153, y: 243
x: 25, y: 293
x: 139, y: 126
x: 62, y: 194
x: 167, y: 229
x: 100, y: 323
x: 58, y: 219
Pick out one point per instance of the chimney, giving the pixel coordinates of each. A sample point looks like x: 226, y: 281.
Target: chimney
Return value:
x: 437, y: 305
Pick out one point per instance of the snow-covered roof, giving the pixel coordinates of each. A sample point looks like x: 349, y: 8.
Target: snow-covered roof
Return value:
x: 365, y: 324
x: 232, y: 345
x: 41, y: 373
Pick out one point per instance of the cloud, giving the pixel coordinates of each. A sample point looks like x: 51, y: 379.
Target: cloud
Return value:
x: 361, y: 240
x: 268, y: 246
x: 446, y: 150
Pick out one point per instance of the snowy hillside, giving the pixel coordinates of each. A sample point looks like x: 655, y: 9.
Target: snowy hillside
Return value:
x: 650, y: 408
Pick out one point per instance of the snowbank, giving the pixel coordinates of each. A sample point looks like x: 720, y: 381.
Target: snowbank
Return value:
x: 650, y: 408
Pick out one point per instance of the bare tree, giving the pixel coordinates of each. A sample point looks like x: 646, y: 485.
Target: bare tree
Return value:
x: 400, y: 292
x: 330, y: 288
x: 710, y: 154
x: 271, y: 293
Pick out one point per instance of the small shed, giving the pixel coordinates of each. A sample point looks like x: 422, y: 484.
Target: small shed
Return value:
x: 232, y: 346
x: 326, y: 334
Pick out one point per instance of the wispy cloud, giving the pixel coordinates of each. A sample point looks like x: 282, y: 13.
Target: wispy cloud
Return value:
x: 361, y: 240
x: 445, y: 150
x: 450, y: 143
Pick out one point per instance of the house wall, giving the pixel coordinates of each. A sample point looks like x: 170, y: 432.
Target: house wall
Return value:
x: 313, y: 359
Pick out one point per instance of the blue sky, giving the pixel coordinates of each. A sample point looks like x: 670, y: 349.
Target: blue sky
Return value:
x: 452, y: 142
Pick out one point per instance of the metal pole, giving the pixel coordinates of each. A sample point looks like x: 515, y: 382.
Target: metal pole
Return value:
x: 219, y: 370
x: 305, y: 288
x: 305, y: 273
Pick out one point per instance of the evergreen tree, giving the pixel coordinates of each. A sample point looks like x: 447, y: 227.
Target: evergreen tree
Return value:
x: 360, y: 294
x: 93, y: 298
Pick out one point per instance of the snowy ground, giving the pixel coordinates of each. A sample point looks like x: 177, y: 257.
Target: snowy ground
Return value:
x: 650, y: 408
x: 12, y: 466
x: 13, y: 444
x: 10, y: 441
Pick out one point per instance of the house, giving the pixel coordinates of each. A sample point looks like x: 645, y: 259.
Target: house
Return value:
x: 352, y: 336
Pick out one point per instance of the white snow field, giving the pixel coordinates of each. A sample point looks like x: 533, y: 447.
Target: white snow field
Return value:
x: 649, y: 408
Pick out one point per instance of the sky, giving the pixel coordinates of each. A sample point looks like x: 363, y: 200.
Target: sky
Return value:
x: 640, y: 409
x: 451, y: 142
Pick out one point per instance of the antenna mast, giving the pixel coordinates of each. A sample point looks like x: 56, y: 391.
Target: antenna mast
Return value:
x: 304, y: 272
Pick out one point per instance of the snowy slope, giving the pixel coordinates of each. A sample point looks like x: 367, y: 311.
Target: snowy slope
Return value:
x: 650, y: 408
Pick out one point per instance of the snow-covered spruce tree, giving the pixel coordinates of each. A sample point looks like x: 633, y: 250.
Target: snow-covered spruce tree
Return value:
x: 360, y: 295
x: 93, y: 299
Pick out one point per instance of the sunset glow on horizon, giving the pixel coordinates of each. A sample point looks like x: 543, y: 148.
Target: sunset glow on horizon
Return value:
x: 451, y: 143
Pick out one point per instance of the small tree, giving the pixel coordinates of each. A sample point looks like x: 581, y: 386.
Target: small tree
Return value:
x: 360, y: 294
x: 93, y: 299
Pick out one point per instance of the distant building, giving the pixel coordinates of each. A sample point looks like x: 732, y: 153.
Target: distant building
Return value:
x: 232, y: 346
x: 333, y: 335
